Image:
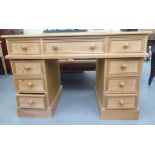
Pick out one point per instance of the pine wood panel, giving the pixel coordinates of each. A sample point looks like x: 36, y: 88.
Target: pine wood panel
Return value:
x: 53, y: 83
x: 100, y: 76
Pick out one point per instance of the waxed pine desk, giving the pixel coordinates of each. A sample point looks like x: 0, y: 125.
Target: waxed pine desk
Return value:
x: 35, y: 65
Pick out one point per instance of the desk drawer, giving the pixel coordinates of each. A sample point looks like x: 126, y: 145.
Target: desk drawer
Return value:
x: 73, y: 47
x: 31, y: 101
x: 124, y: 66
x: 28, y: 67
x: 30, y: 85
x: 121, y: 102
x: 25, y: 47
x: 126, y: 45
x: 123, y: 85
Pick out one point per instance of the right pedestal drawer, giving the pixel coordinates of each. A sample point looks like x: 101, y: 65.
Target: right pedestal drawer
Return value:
x: 119, y: 101
x: 122, y: 85
x: 124, y: 66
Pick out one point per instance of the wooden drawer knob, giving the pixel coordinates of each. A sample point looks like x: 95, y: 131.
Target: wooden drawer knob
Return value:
x: 30, y: 102
x: 24, y: 47
x: 30, y: 84
x: 121, y: 102
x: 122, y: 84
x: 124, y: 66
x: 55, y: 48
x: 27, y: 67
x: 126, y: 45
x: 92, y: 47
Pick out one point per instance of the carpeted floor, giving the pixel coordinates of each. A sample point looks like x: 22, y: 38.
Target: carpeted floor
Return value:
x: 78, y: 102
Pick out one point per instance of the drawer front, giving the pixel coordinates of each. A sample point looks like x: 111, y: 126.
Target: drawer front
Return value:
x: 123, y: 85
x: 124, y: 66
x: 30, y: 86
x: 121, y: 102
x: 73, y: 47
x: 126, y: 45
x: 27, y: 67
x: 31, y: 101
x: 25, y: 47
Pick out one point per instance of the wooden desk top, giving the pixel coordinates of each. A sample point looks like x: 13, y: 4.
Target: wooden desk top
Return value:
x: 77, y: 56
x: 78, y: 34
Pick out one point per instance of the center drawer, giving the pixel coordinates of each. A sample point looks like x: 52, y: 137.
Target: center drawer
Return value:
x: 73, y: 47
x: 122, y: 85
x: 31, y: 101
x: 30, y: 85
x: 124, y: 66
x: 27, y: 67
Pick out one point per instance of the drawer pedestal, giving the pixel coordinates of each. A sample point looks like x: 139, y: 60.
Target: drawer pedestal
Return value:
x: 117, y: 88
x: 39, y: 91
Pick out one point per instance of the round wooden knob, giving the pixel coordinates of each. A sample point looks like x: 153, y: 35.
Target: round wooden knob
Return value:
x: 122, y: 84
x: 55, y: 48
x: 24, y: 47
x: 30, y: 102
x: 126, y: 45
x: 92, y: 47
x: 30, y: 84
x: 123, y: 66
x: 27, y: 67
x: 121, y: 102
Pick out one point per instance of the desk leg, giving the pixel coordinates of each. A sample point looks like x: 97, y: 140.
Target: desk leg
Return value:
x: 100, y: 84
x: 53, y: 83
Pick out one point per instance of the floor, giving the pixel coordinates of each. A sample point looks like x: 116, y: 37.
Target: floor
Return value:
x: 78, y: 102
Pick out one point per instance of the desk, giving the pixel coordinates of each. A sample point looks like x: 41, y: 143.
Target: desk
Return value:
x: 34, y: 61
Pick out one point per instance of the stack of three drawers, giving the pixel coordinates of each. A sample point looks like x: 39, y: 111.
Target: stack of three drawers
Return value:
x: 33, y: 81
x: 122, y: 88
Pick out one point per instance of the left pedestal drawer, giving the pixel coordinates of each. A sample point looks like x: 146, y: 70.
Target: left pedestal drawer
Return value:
x: 31, y: 101
x: 28, y: 68
x: 30, y: 85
